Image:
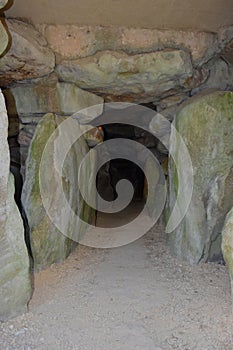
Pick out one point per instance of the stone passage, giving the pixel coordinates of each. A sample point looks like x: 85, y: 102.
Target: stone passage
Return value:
x: 51, y: 72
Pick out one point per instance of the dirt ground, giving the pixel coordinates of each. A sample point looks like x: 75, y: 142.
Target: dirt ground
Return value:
x: 136, y: 297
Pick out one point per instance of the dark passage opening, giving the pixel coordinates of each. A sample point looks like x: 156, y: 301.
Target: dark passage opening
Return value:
x: 117, y: 169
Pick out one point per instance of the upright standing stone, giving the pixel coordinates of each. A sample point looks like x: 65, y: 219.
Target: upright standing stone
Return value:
x: 48, y: 244
x: 206, y: 126
x: 15, y: 287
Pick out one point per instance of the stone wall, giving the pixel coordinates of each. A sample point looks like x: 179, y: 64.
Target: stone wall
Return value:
x: 62, y: 69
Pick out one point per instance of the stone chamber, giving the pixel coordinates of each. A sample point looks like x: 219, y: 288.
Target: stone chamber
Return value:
x: 50, y: 71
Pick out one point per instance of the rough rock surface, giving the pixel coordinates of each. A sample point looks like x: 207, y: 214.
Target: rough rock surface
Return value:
x: 130, y: 76
x: 206, y: 128
x: 15, y: 285
x: 220, y: 77
x: 28, y: 57
x: 71, y: 41
x: 49, y: 96
x: 48, y: 244
x: 227, y: 244
x: 227, y: 53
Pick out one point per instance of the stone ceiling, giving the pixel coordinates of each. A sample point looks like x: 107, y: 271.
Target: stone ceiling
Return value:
x: 206, y: 15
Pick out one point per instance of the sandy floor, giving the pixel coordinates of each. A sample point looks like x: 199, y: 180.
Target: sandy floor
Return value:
x: 136, y: 297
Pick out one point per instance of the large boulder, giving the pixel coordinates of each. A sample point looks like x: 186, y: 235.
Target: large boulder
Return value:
x: 227, y: 244
x: 28, y: 57
x: 73, y: 41
x: 15, y: 286
x: 48, y: 244
x: 48, y: 95
x: 138, y: 78
x: 205, y: 125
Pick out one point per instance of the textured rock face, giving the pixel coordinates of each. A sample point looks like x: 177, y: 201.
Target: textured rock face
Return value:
x: 227, y: 244
x: 28, y: 102
x: 71, y: 41
x: 48, y: 244
x: 220, y: 76
x: 48, y: 95
x: 206, y: 127
x: 28, y: 57
x: 137, y: 76
x: 15, y: 288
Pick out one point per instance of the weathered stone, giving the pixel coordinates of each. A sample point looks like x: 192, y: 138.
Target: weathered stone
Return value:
x: 169, y: 113
x: 15, y: 287
x: 227, y: 53
x: 220, y: 77
x: 28, y: 57
x: 206, y: 126
x: 48, y: 244
x: 225, y: 35
x: 201, y: 45
x: 199, y: 77
x: 135, y: 77
x: 48, y: 95
x: 72, y: 41
x: 171, y: 101
x: 227, y: 244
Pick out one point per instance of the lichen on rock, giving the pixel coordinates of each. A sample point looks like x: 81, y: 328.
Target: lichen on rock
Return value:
x: 206, y: 128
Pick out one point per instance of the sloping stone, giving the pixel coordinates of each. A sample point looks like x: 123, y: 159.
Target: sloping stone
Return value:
x: 72, y: 41
x: 227, y: 245
x: 206, y: 126
x: 15, y: 287
x: 136, y: 77
x: 28, y: 57
x: 48, y: 244
x: 48, y: 95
